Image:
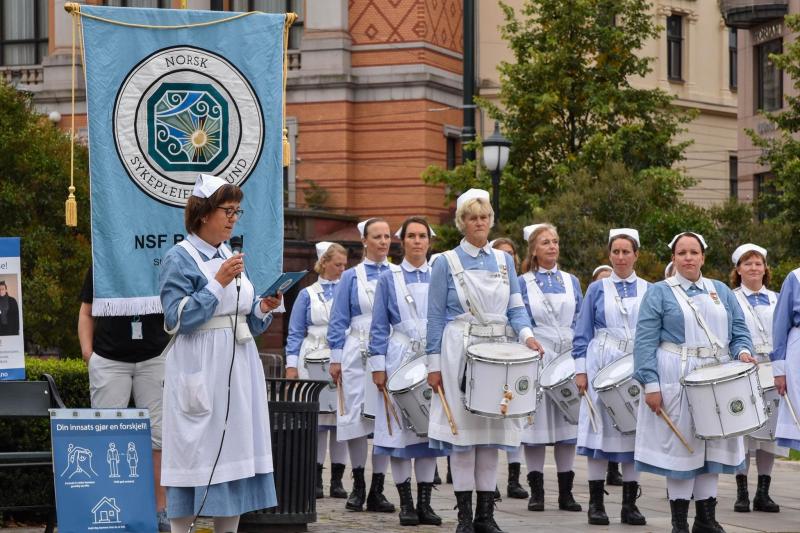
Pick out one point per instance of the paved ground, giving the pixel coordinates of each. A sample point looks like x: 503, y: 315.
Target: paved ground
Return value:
x: 513, y: 516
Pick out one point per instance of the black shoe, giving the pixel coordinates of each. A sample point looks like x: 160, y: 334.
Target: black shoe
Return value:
x: 597, y: 510
x: 514, y: 489
x: 436, y: 479
x: 449, y: 477
x: 705, y: 520
x: 496, y: 494
x: 536, y: 483
x: 565, y: 500
x: 356, y: 500
x: 680, y: 515
x: 613, y: 477
x: 464, y: 505
x: 762, y: 502
x: 484, y: 514
x: 742, y: 504
x: 408, y: 515
x: 320, y: 493
x: 337, y: 489
x: 376, y: 501
x: 630, y: 513
x: 424, y: 510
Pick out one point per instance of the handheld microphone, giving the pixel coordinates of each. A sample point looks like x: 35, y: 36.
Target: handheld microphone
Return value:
x: 237, y: 241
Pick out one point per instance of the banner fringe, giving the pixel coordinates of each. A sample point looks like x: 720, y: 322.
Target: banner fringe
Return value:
x: 144, y: 305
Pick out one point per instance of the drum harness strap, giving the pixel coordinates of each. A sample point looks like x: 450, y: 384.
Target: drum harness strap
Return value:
x: 316, y: 289
x: 765, y: 347
x: 417, y: 345
x: 715, y: 350
x: 563, y: 344
x: 361, y: 279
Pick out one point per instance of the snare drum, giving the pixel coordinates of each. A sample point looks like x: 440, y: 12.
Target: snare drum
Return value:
x: 558, y: 383
x: 725, y: 400
x: 317, y: 364
x: 614, y: 384
x: 771, y: 400
x: 494, y: 368
x: 408, y: 386
x: 371, y: 397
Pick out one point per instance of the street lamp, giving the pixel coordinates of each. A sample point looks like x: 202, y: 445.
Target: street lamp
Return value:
x: 495, y: 157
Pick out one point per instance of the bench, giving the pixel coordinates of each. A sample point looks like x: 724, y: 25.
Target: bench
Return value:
x: 28, y: 399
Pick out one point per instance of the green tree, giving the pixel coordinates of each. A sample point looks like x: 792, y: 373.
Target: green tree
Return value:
x: 34, y: 175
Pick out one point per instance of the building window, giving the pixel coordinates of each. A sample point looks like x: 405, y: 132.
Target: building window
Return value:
x: 277, y: 6
x: 453, y: 152
x: 733, y: 175
x: 23, y: 32
x: 733, y: 74
x: 769, y: 78
x: 675, y: 47
x: 155, y: 4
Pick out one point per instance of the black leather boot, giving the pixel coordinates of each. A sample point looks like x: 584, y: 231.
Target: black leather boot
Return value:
x: 630, y: 513
x: 436, y: 479
x: 356, y: 500
x: 337, y: 489
x: 597, y: 510
x: 742, y: 504
x: 376, y: 501
x: 408, y: 515
x: 320, y: 492
x: 449, y: 478
x: 514, y: 489
x: 705, y: 520
x: 496, y: 494
x: 762, y: 501
x: 484, y: 514
x: 680, y: 515
x: 464, y: 505
x: 536, y: 483
x: 613, y: 477
x: 424, y: 510
x: 565, y: 500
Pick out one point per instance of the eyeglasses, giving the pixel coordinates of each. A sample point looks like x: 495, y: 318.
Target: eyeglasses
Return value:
x: 230, y: 211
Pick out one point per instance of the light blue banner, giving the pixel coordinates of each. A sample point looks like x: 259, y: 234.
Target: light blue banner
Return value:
x: 103, y: 470
x: 12, y: 342
x: 165, y: 105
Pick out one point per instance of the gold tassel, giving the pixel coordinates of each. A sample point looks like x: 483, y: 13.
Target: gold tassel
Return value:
x: 287, y: 149
x: 72, y: 208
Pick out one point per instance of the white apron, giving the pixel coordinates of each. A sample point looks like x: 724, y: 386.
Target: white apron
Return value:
x: 601, y: 353
x: 489, y: 292
x: 352, y: 425
x: 195, y: 394
x: 656, y: 445
x: 787, y: 429
x: 405, y: 343
x: 553, y: 314
x: 316, y: 338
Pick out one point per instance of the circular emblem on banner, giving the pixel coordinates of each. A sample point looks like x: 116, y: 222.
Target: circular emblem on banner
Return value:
x: 181, y: 112
x: 523, y: 385
x: 736, y: 407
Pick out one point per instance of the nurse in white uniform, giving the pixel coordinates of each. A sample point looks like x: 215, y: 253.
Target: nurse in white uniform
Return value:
x: 308, y: 330
x: 553, y: 299
x: 686, y: 322
x: 397, y: 336
x: 348, y: 338
x: 604, y: 333
x: 750, y: 277
x: 201, y: 303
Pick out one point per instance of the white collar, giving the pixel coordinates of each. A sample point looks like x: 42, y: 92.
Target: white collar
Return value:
x: 686, y: 284
x: 366, y: 261
x: 202, y: 246
x: 408, y: 267
x: 630, y: 279
x: 748, y: 292
x: 553, y: 270
x: 473, y: 250
x: 325, y: 281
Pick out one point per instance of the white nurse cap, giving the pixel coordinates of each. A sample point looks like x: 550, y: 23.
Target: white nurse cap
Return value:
x: 627, y: 232
x: 743, y: 249
x: 322, y: 247
x: 470, y: 195
x: 600, y: 269
x: 527, y: 231
x: 206, y: 185
x: 400, y: 230
x: 679, y: 235
x: 362, y: 225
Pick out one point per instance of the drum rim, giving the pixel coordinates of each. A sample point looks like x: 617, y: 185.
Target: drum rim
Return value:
x: 316, y: 360
x: 407, y: 389
x: 495, y: 415
x: 484, y: 359
x: 615, y: 385
x: 599, y: 373
x: 537, y: 355
x: 711, y: 381
x: 552, y: 363
x: 554, y: 385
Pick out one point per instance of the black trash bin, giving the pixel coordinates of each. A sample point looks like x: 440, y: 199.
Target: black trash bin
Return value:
x: 293, y: 412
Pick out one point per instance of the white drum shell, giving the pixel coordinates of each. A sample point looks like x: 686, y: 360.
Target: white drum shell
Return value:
x: 771, y: 401
x: 488, y: 375
x: 318, y: 369
x: 371, y: 397
x: 725, y: 407
x: 414, y: 399
x: 558, y: 383
x: 620, y: 395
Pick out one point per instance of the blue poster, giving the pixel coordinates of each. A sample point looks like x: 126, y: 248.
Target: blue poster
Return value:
x: 12, y: 344
x: 103, y: 470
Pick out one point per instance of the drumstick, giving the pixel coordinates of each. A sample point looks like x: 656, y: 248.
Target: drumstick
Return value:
x: 791, y: 409
x: 452, y: 422
x: 386, y: 409
x: 390, y: 407
x: 592, y: 412
x: 663, y: 414
x: 340, y: 390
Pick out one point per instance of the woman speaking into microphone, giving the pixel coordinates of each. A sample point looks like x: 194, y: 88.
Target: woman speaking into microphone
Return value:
x: 214, y: 381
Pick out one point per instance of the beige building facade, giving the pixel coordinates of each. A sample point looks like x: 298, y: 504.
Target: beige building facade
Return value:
x: 692, y: 58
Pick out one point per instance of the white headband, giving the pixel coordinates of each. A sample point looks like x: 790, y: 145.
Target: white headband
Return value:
x: 322, y: 247
x: 667, y: 269
x: 471, y: 194
x: 743, y: 249
x: 206, y: 185
x: 627, y: 232
x: 600, y: 269
x: 679, y: 235
x: 400, y: 230
x: 527, y: 231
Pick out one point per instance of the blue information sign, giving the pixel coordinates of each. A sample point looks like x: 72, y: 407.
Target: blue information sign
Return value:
x: 103, y: 470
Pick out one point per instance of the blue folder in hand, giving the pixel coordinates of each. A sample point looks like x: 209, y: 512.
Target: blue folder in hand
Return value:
x: 284, y: 282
